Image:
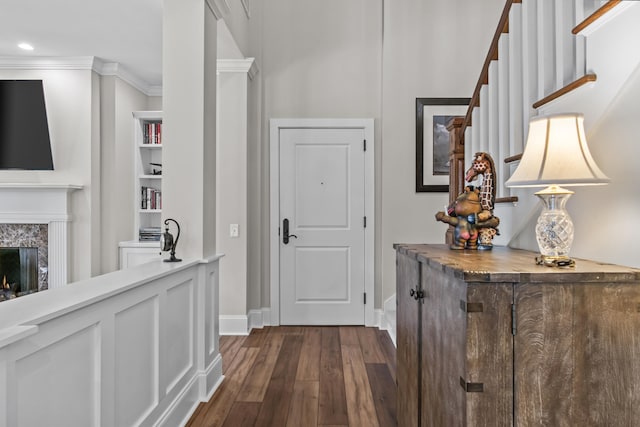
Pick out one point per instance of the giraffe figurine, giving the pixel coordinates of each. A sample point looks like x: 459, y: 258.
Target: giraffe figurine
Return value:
x: 483, y: 165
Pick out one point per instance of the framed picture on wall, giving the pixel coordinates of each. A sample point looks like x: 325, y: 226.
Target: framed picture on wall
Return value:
x: 432, y: 141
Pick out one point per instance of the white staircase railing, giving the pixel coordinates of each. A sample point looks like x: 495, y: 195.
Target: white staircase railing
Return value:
x: 539, y: 53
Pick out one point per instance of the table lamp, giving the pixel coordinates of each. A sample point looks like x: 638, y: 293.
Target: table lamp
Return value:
x: 556, y: 155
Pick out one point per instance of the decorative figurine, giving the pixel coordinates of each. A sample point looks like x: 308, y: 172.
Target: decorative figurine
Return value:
x: 167, y: 243
x: 472, y: 212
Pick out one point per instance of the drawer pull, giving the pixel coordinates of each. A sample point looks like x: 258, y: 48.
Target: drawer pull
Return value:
x: 471, y: 387
x: 471, y: 307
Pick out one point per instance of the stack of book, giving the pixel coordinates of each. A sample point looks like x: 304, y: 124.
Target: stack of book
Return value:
x: 150, y: 198
x: 152, y: 133
x: 149, y: 234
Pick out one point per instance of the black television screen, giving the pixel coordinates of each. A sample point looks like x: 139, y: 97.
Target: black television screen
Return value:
x: 24, y: 130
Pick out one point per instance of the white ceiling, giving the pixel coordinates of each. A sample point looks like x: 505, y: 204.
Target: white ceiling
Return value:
x: 127, y: 32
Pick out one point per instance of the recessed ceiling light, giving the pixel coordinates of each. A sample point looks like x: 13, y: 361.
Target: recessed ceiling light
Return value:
x: 25, y: 46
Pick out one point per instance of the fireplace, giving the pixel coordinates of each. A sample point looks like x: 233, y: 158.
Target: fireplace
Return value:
x: 19, y: 242
x: 18, y: 272
x: 45, y: 208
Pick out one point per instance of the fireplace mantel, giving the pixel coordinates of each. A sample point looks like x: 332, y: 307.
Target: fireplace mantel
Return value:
x: 39, y: 203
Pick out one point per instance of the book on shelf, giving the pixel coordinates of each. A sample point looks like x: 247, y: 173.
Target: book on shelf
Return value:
x: 150, y: 198
x: 149, y: 234
x: 151, y: 133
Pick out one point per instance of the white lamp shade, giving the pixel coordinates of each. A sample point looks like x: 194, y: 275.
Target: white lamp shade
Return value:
x: 557, y: 154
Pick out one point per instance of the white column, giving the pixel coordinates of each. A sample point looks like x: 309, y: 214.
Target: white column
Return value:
x: 58, y: 253
x: 189, y: 123
x: 189, y: 158
x: 232, y: 190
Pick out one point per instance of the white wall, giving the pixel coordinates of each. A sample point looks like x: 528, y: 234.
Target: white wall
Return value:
x: 239, y: 23
x: 118, y: 100
x: 257, y: 152
x: 320, y: 59
x: 327, y: 59
x: 240, y: 37
x: 431, y: 49
x: 69, y: 98
x: 154, y: 103
x: 605, y: 217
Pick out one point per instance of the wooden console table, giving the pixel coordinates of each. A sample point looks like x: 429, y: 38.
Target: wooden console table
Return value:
x: 491, y: 339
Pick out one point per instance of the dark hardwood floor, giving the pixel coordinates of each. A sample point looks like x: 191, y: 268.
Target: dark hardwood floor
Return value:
x: 302, y: 376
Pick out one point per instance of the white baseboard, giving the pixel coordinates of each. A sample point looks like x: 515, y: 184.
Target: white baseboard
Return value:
x: 266, y: 316
x: 212, y: 378
x: 242, y: 325
x: 378, y: 316
x: 233, y: 324
x: 388, y: 321
x: 258, y: 319
x: 199, y: 389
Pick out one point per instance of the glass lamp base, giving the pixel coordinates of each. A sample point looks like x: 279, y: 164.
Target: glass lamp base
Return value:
x: 554, y: 229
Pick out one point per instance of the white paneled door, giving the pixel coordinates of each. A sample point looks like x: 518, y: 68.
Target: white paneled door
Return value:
x: 322, y: 226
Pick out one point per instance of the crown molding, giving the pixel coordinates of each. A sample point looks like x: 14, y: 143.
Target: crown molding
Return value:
x: 117, y: 70
x: 247, y: 65
x: 79, y: 63
x: 47, y: 63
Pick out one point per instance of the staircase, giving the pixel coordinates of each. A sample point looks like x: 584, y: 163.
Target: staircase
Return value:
x: 547, y: 56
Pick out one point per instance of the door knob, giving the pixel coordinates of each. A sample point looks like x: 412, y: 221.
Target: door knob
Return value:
x: 285, y: 232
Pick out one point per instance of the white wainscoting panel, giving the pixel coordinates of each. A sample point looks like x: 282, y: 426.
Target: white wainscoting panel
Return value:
x: 177, y: 337
x: 70, y: 364
x: 136, y: 362
x: 132, y: 347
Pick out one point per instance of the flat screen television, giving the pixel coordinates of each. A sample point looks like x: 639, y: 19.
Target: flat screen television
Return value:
x: 24, y: 130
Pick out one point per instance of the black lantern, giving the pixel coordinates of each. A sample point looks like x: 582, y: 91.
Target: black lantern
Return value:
x: 167, y: 243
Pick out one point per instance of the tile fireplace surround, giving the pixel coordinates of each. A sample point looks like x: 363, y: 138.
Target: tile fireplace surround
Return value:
x: 45, y: 204
x: 29, y: 236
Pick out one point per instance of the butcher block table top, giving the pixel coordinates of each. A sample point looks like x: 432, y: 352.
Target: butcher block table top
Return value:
x: 503, y: 264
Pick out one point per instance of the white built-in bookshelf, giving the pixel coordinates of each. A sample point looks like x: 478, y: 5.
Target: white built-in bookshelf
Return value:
x: 147, y: 154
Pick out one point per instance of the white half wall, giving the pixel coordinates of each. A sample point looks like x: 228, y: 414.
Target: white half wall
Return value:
x: 133, y: 347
